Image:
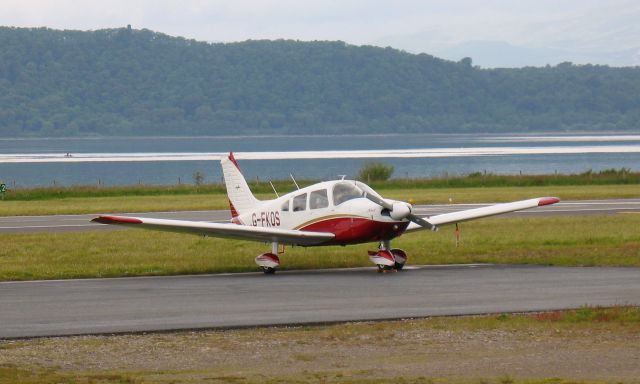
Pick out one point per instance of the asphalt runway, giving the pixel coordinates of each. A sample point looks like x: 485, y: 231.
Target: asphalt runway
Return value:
x: 47, y: 308
x: 61, y: 223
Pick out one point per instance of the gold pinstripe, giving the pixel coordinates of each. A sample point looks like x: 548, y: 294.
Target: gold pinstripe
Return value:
x: 323, y: 218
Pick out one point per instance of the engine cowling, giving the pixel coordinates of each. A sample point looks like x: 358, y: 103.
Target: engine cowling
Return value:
x: 400, y: 210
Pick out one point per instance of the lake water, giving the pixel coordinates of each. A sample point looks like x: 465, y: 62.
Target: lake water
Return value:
x: 163, y: 160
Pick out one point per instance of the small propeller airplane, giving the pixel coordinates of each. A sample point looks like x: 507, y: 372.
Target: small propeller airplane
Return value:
x: 337, y: 212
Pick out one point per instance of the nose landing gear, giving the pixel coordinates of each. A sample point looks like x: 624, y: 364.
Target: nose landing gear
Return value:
x: 387, y: 258
x: 400, y: 256
x: 383, y: 259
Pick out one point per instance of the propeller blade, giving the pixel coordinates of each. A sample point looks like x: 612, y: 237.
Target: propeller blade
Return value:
x: 418, y: 220
x: 422, y: 222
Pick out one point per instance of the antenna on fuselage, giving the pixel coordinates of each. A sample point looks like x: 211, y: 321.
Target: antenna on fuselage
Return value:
x: 274, y: 188
x: 294, y: 181
x: 342, y: 177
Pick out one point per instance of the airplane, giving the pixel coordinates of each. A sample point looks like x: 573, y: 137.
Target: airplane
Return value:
x: 336, y: 212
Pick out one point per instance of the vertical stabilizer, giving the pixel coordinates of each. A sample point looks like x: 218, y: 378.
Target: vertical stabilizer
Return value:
x: 240, y: 197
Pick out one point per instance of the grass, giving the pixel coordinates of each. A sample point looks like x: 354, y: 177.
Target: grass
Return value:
x: 476, y: 187
x: 621, y: 176
x: 12, y: 374
x: 209, y: 200
x: 589, y: 240
x: 491, y: 349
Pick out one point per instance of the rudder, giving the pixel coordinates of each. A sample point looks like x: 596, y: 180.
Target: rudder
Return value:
x: 240, y: 197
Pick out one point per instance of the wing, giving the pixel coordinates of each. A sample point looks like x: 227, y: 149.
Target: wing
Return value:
x: 476, y: 213
x: 230, y: 231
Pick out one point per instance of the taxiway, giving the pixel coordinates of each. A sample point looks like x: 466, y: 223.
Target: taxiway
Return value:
x: 61, y: 223
x: 120, y: 305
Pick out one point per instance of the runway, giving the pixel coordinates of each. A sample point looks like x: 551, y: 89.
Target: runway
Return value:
x: 61, y: 223
x: 45, y: 308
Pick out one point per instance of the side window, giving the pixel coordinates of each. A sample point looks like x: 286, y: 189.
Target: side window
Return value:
x: 285, y: 206
x: 300, y: 203
x: 318, y: 199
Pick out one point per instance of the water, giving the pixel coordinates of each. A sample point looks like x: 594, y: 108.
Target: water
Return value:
x: 170, y: 160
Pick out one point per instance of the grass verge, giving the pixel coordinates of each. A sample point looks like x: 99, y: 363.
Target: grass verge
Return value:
x: 586, y: 345
x: 570, y: 241
x: 210, y: 200
x: 621, y: 176
x: 475, y: 187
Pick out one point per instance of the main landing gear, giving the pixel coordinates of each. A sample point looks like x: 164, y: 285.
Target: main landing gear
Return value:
x: 269, y: 262
x: 388, y: 259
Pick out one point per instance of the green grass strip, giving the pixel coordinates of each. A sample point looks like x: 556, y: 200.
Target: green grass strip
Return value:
x: 206, y: 201
x: 621, y: 176
x: 570, y: 241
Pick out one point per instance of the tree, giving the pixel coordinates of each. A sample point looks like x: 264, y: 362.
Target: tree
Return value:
x: 198, y: 178
x: 375, y: 171
x: 139, y: 82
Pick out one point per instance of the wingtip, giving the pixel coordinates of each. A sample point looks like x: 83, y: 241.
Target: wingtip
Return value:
x: 116, y: 220
x: 547, y: 201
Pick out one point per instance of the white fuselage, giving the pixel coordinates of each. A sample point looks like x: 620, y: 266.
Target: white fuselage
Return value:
x: 331, y: 206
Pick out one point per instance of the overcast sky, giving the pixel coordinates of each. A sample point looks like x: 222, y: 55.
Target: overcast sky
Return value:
x: 454, y: 27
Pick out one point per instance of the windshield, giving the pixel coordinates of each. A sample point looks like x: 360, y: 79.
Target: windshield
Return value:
x: 364, y: 187
x: 344, y: 192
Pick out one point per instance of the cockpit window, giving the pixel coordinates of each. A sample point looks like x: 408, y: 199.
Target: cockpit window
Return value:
x: 318, y: 199
x: 345, y: 191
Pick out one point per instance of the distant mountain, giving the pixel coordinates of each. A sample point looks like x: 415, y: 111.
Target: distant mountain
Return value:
x: 583, y: 35
x: 500, y: 54
x: 139, y: 82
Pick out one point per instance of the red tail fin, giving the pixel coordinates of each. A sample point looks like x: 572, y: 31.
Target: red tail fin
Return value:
x: 234, y: 213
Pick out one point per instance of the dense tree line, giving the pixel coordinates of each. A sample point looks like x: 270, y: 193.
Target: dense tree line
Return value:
x: 139, y: 82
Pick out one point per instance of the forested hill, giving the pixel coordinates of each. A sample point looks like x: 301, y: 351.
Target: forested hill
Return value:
x: 138, y: 82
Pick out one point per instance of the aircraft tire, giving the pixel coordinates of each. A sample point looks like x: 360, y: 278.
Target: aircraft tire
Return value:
x: 401, y: 255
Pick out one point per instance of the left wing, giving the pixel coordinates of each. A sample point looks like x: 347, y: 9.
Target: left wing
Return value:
x: 476, y: 213
x: 230, y: 231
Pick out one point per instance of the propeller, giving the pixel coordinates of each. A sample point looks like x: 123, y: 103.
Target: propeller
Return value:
x: 399, y: 210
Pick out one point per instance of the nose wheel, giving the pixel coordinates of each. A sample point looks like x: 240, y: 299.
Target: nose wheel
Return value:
x: 385, y: 269
x: 388, y: 259
x: 400, y: 257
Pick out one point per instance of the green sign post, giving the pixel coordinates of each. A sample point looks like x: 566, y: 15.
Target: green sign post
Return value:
x: 3, y: 189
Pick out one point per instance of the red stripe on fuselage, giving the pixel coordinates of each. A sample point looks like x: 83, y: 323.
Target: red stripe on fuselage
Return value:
x: 353, y: 230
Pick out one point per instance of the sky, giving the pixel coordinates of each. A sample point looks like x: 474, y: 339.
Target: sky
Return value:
x: 494, y: 33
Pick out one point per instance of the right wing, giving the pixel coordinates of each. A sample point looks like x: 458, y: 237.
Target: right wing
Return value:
x: 230, y: 231
x: 476, y: 213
